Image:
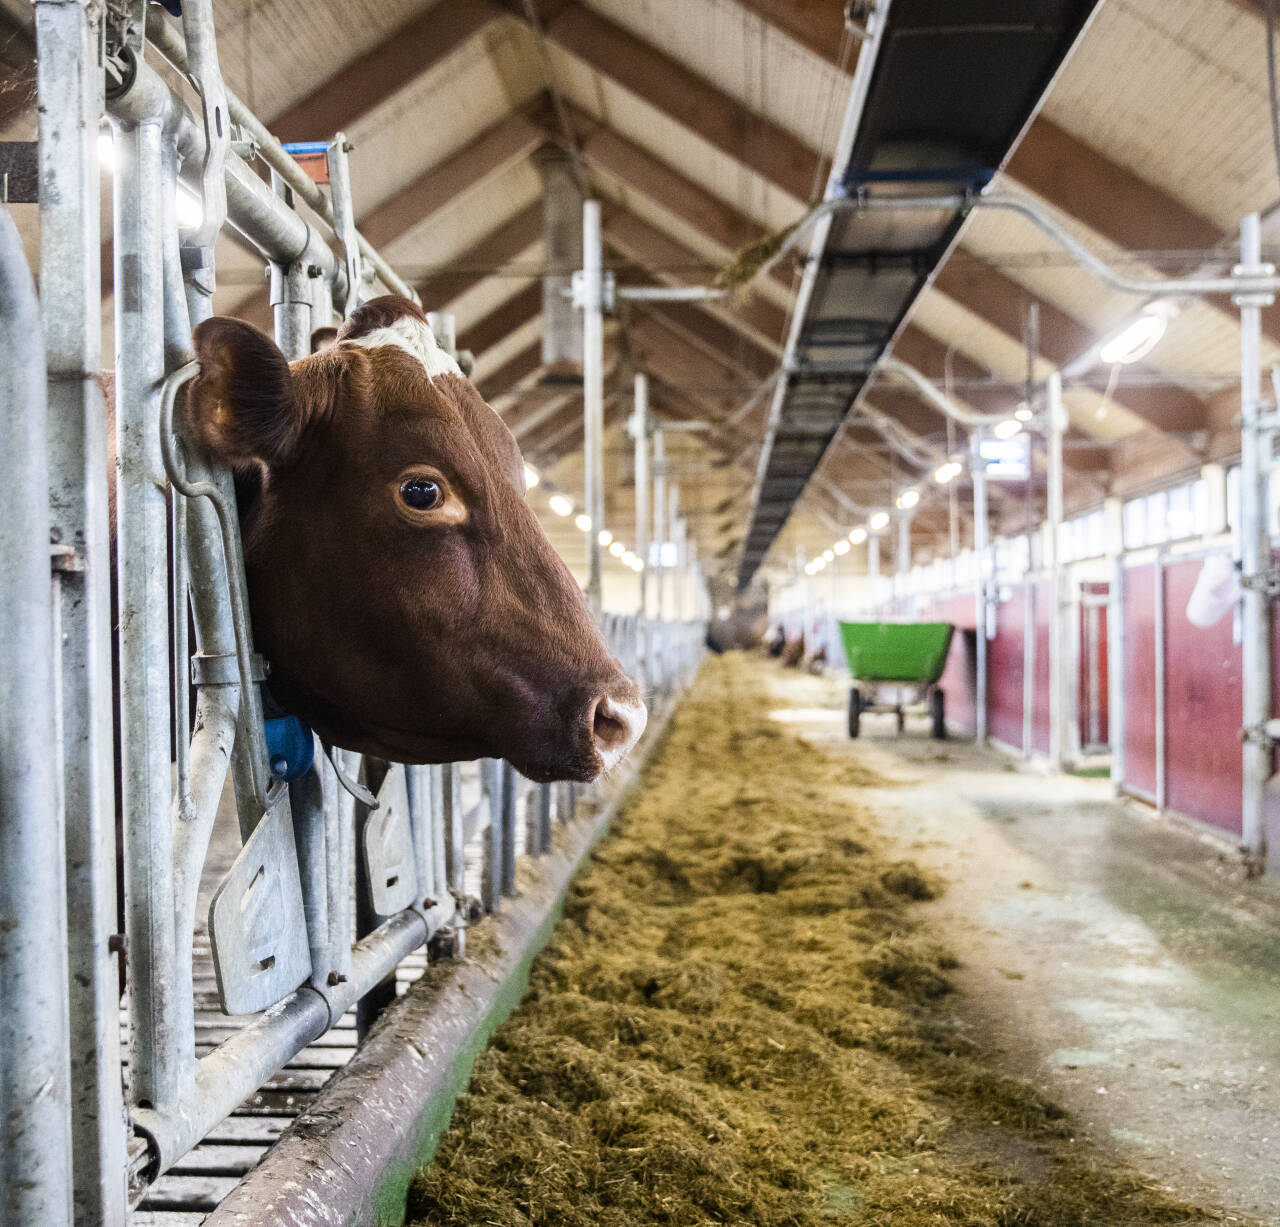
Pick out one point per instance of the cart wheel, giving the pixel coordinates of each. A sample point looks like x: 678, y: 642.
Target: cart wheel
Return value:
x: 938, y: 710
x: 902, y: 718
x: 855, y: 711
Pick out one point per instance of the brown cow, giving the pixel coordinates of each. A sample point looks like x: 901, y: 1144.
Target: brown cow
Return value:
x: 408, y: 600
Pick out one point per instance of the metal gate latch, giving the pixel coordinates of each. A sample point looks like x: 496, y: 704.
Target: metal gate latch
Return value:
x: 1266, y: 582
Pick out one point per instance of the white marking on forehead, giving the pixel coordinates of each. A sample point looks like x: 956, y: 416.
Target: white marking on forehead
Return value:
x: 414, y: 337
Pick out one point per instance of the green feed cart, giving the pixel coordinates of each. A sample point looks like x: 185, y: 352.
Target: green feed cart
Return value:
x: 895, y: 665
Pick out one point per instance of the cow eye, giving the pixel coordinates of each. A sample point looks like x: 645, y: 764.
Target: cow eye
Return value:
x: 421, y: 493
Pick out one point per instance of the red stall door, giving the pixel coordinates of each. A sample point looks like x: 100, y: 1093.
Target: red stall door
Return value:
x: 1140, y: 681
x: 1095, y: 735
x: 1005, y: 664
x: 1203, y: 761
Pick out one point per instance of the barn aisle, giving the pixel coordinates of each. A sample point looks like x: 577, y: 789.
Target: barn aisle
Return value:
x: 747, y: 1015
x: 1123, y: 964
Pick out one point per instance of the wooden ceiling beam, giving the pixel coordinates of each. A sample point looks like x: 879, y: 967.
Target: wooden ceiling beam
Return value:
x: 685, y: 97
x: 817, y: 25
x: 511, y: 372
x: 342, y: 100
x: 483, y: 259
x: 511, y: 314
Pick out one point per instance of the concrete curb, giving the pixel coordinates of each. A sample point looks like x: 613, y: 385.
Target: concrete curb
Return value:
x: 348, y: 1161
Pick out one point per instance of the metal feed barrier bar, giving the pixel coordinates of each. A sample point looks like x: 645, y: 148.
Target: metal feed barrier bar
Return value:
x: 291, y: 946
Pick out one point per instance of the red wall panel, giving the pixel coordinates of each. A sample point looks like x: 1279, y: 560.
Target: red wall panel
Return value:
x: 1140, y: 679
x: 1004, y: 670
x: 1202, y: 709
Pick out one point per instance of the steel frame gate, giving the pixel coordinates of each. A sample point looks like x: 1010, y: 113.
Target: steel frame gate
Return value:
x: 289, y: 946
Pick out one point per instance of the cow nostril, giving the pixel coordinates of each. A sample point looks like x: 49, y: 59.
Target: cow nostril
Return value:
x: 609, y: 731
x: 616, y: 725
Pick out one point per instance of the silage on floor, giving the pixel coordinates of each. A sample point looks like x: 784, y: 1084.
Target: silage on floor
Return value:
x: 738, y: 1022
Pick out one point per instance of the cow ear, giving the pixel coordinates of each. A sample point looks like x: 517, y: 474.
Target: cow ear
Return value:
x: 323, y: 338
x: 242, y: 406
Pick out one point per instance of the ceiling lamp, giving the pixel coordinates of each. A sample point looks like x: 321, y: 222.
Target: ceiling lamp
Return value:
x: 583, y: 521
x: 948, y: 472
x: 531, y: 477
x: 560, y: 505
x: 1136, y: 339
x: 879, y: 521
x: 858, y: 536
x: 841, y: 546
x: 908, y: 499
x: 1006, y: 429
x: 617, y: 549
x: 605, y: 537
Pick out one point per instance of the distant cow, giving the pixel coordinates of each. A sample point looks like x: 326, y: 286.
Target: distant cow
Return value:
x: 408, y: 600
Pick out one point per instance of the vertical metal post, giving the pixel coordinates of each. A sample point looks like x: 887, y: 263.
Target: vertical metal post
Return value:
x: 70, y: 90
x: 35, y: 1120
x: 640, y: 434
x: 1116, y: 649
x: 873, y: 568
x: 450, y: 786
x: 980, y: 585
x: 344, y: 222
x: 1059, y: 676
x: 491, y: 874
x: 1255, y: 550
x: 508, y: 802
x: 657, y: 639
x: 1161, y: 665
x: 593, y: 395
x: 143, y: 617
x: 291, y: 295
x: 1028, y: 663
x: 904, y: 562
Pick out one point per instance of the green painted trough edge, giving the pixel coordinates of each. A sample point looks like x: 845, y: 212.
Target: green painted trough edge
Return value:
x: 348, y: 1160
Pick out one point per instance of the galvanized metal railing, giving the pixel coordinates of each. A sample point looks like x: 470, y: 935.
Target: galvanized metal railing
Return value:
x: 430, y: 849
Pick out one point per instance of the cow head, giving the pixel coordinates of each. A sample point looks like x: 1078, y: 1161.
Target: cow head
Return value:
x: 408, y: 600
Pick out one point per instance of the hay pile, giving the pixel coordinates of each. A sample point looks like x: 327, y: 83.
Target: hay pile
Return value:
x: 739, y: 1023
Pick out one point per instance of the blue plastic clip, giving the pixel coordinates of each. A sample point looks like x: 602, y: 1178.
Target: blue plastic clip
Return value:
x: 290, y: 747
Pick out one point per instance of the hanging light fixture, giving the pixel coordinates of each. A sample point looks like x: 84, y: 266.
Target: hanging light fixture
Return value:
x: 560, y: 505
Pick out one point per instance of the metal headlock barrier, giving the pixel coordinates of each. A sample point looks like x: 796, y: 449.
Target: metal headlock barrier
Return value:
x: 95, y: 1108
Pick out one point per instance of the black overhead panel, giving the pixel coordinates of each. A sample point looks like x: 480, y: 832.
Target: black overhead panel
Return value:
x: 954, y: 82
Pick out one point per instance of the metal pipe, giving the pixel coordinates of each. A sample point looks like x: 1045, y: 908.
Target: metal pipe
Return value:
x: 35, y: 1075
x: 70, y: 92
x: 1255, y: 548
x: 166, y: 39
x: 1058, y: 675
x: 593, y: 395
x: 980, y: 550
x: 205, y: 74
x: 1028, y: 662
x: 143, y: 618
x: 670, y: 293
x: 938, y: 399
x: 252, y: 208
x: 237, y: 1067
x: 1252, y: 280
x: 660, y: 521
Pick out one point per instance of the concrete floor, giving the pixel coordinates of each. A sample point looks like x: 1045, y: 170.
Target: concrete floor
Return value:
x: 1119, y: 962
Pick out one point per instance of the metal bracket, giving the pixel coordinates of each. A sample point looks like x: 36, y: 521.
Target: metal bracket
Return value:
x: 1257, y: 734
x: 66, y: 558
x: 257, y: 926
x: 1267, y: 582
x: 388, y: 848
x: 206, y: 76
x: 222, y: 669
x: 608, y: 290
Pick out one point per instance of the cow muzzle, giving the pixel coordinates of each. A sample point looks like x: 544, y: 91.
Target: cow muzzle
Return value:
x: 616, y: 720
